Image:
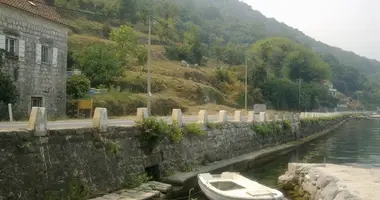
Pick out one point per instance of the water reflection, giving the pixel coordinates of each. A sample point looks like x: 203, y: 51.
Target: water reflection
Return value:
x: 354, y: 143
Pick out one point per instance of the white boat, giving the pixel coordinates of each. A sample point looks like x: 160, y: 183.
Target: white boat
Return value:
x: 233, y: 186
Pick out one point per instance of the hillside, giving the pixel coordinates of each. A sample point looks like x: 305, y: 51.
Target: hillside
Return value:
x: 218, y: 35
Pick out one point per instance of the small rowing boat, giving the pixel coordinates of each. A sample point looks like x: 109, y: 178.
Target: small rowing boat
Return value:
x: 233, y: 186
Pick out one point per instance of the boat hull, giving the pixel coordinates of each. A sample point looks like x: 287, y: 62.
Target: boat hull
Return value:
x: 215, y: 195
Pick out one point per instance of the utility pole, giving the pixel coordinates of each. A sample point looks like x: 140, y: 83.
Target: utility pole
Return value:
x: 299, y: 95
x: 149, y: 97
x: 246, y: 84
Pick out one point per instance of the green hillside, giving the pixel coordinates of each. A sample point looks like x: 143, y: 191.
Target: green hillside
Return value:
x: 218, y: 36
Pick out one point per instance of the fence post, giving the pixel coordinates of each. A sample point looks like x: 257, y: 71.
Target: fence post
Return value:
x: 10, y: 112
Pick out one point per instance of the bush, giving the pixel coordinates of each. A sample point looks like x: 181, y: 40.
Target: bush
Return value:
x: 77, y: 86
x: 193, y: 129
x: 153, y: 131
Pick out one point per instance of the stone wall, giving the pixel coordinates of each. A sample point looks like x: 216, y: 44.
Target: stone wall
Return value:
x: 35, y: 79
x: 88, y: 161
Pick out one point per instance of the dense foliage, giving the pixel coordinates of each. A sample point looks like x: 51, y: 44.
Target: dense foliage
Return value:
x: 227, y: 33
x: 77, y: 86
x: 9, y: 93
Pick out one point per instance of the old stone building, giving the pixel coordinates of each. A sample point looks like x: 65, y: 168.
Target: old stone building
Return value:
x: 34, y: 38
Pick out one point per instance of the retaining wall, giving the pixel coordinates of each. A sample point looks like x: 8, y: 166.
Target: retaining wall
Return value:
x: 56, y: 164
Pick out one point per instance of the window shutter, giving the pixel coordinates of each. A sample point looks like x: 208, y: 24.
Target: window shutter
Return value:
x: 2, y: 42
x: 55, y: 57
x: 21, y: 50
x: 38, y: 53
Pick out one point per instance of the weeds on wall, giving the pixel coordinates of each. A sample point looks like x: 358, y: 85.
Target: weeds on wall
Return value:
x: 265, y: 129
x: 286, y: 125
x: 76, y: 189
x: 316, y: 121
x: 154, y: 131
x: 111, y: 147
x: 135, y: 181
x: 193, y: 129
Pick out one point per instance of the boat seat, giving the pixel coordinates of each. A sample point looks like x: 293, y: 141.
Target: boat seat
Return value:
x: 207, y: 177
x: 261, y: 192
x: 228, y: 175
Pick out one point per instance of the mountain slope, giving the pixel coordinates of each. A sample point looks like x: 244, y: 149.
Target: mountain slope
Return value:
x: 240, y: 16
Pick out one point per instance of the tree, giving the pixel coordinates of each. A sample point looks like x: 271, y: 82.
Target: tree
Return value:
x: 100, y: 65
x: 285, y: 58
x: 77, y: 86
x: 128, y: 46
x: 9, y: 93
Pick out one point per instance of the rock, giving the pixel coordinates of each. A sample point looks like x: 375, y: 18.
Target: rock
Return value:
x: 345, y: 195
x: 287, y: 181
x: 330, y: 191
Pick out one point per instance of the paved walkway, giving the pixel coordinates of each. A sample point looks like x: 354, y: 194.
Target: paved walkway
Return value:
x: 85, y: 123
x: 150, y: 190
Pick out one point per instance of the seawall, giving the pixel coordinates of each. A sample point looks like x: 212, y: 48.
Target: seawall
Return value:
x: 331, y: 182
x: 79, y: 163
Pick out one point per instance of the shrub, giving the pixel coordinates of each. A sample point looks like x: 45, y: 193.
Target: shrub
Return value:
x: 152, y: 131
x: 193, y: 129
x: 262, y: 129
x: 134, y: 181
x: 286, y: 125
x: 77, y: 86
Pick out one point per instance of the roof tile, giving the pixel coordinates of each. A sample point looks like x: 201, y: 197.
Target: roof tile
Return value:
x: 37, y: 7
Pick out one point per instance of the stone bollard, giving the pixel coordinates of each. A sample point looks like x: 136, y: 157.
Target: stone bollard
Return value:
x: 251, y: 116
x: 237, y: 116
x: 223, y: 116
x: 275, y: 118
x: 100, y: 119
x: 203, y: 116
x: 38, y: 121
x: 256, y: 117
x: 177, y: 116
x: 262, y: 116
x: 142, y: 113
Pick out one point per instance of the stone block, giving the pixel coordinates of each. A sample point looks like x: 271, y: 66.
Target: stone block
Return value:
x: 262, y: 116
x: 100, y: 119
x: 142, y: 113
x: 237, y: 116
x: 203, y: 116
x: 256, y: 117
x: 177, y: 116
x: 251, y: 117
x: 275, y: 117
x: 223, y: 116
x: 38, y: 121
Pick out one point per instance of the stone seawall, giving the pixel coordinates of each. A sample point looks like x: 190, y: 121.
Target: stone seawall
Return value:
x: 331, y: 182
x: 74, y: 163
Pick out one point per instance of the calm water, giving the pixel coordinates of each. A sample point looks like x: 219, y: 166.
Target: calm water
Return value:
x: 354, y: 143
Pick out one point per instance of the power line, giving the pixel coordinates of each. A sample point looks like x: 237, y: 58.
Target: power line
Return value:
x: 69, y: 9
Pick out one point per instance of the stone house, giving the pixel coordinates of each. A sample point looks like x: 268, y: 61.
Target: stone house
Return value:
x: 34, y: 38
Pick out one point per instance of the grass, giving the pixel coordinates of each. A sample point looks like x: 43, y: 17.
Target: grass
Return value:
x: 173, y: 85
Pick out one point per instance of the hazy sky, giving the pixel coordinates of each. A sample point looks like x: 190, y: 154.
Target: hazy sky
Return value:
x: 349, y: 24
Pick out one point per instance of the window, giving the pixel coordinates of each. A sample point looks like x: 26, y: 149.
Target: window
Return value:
x: 46, y: 54
x: 36, y: 102
x: 11, y: 45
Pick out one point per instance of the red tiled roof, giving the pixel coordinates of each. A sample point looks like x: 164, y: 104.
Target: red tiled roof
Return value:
x: 39, y: 8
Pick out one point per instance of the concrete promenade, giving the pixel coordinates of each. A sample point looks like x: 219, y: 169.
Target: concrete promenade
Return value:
x: 86, y: 123
x: 38, y: 119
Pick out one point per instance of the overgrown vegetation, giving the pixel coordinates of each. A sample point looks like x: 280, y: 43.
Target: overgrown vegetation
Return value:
x: 134, y: 181
x: 9, y: 92
x: 193, y: 129
x: 113, y: 56
x: 154, y: 131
